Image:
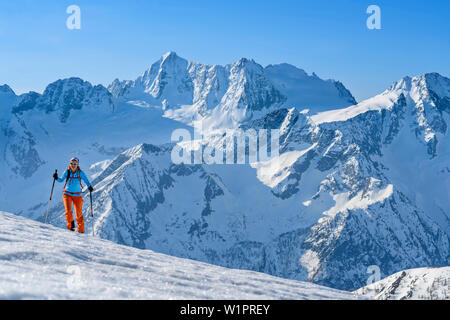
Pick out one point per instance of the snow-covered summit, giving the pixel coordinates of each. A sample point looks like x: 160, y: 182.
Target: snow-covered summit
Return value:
x: 412, y: 284
x: 428, y: 92
x: 227, y: 95
x: 422, y: 101
x: 65, y: 96
x: 7, y: 99
x: 303, y: 90
x: 5, y: 89
x: 433, y: 81
x: 430, y: 88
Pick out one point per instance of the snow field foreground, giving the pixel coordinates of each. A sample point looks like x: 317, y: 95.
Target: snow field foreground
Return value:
x: 39, y: 261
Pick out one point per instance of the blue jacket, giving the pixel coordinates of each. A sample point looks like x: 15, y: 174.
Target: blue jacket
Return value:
x: 73, y: 186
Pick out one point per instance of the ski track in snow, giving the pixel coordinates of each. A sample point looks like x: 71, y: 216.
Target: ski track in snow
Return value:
x: 39, y: 261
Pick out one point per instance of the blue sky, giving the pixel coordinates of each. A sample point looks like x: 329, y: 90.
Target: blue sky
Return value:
x: 120, y: 39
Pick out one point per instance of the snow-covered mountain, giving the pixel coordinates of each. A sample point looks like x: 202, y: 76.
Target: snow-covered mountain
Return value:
x: 65, y: 96
x: 7, y: 100
x: 412, y: 284
x: 227, y: 95
x: 360, y: 185
x: 318, y: 213
x: 308, y: 91
x: 40, y: 261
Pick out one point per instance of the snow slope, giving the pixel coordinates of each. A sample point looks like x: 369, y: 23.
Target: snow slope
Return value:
x: 40, y: 261
x: 308, y: 91
x: 412, y: 284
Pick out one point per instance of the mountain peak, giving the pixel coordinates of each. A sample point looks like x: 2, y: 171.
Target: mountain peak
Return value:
x: 245, y: 62
x: 437, y: 83
x: 433, y: 76
x: 64, y: 95
x: 248, y: 65
x: 67, y: 82
x: 173, y: 81
x: 171, y: 57
x: 433, y: 81
x: 169, y: 54
x: 60, y: 86
x: 5, y: 89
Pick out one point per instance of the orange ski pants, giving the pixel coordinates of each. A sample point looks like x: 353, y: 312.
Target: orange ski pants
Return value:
x: 78, y: 204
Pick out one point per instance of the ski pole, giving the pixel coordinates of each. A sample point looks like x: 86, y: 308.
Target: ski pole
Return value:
x: 51, y: 194
x: 92, y: 213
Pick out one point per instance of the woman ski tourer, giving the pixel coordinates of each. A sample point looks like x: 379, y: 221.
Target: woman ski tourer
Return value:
x: 73, y: 193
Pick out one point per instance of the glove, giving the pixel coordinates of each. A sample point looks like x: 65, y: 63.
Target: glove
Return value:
x: 90, y: 189
x: 55, y: 176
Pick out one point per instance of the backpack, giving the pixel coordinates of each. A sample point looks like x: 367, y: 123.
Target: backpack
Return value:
x: 78, y: 172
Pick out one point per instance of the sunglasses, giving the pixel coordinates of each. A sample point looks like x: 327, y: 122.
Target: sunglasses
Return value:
x: 73, y: 164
